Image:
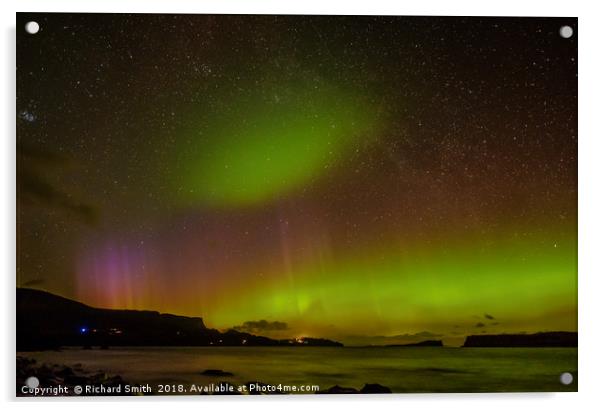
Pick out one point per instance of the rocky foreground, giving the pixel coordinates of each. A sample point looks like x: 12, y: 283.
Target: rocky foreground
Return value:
x: 61, y: 380
x: 57, y: 376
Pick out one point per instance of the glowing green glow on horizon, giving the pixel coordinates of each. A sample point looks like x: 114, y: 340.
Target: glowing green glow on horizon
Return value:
x: 263, y: 146
x: 348, y: 176
x: 434, y: 289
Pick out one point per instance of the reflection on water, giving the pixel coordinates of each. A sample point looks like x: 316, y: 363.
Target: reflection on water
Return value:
x: 401, y: 369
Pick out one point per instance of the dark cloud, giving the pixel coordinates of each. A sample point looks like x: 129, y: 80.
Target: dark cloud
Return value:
x: 33, y: 186
x: 257, y: 326
x: 487, y: 316
x: 480, y: 324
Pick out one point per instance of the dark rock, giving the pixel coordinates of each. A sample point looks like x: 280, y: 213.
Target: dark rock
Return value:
x: 374, y: 388
x: 77, y: 380
x: 542, y: 339
x: 59, y: 375
x: 336, y: 389
x: 64, y: 372
x: 216, y: 372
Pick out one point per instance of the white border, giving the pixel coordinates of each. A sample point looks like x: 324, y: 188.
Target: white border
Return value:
x: 590, y: 199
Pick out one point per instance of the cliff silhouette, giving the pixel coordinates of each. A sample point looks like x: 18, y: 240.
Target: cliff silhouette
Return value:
x: 48, y: 321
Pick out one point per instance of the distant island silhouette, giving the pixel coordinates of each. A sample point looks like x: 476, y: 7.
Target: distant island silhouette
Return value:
x: 47, y: 321
x: 541, y: 339
x: 425, y: 343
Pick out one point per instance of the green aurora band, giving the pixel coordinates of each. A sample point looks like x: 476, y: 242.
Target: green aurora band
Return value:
x: 350, y: 176
x: 258, y: 145
x: 440, y: 288
x: 264, y: 144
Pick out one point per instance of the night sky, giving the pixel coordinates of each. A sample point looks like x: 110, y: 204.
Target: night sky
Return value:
x: 303, y: 176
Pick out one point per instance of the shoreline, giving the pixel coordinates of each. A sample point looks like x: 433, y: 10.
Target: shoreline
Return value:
x: 402, y: 370
x: 53, y: 379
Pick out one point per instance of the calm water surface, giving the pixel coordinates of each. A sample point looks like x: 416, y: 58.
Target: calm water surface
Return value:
x: 409, y: 369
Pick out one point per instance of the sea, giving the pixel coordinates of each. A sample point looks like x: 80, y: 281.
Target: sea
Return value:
x: 307, y: 369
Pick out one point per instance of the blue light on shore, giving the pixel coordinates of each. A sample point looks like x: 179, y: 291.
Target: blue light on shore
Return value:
x: 83, y: 330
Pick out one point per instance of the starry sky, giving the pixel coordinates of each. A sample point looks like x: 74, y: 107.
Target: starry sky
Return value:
x: 359, y: 178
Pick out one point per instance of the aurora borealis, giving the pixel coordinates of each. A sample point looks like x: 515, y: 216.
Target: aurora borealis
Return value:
x: 345, y: 176
x: 267, y: 144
